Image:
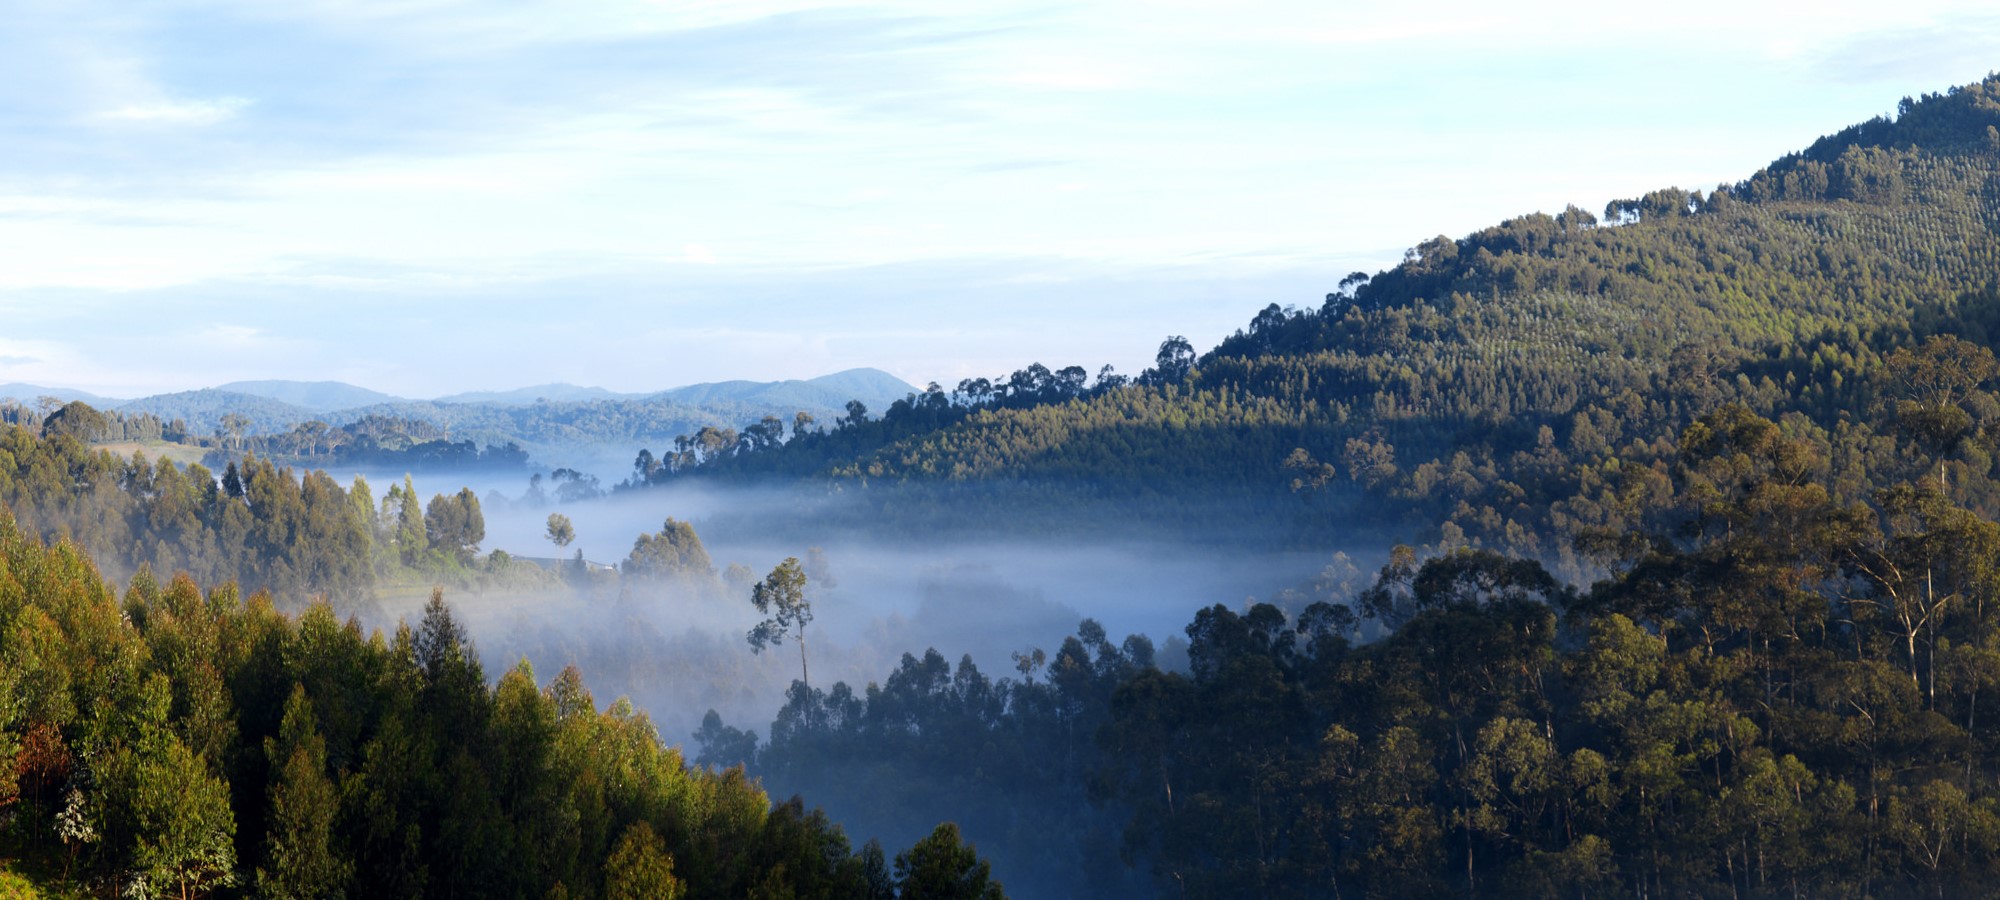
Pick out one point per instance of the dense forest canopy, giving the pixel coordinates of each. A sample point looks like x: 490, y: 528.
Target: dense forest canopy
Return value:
x: 176, y: 743
x: 1779, y: 693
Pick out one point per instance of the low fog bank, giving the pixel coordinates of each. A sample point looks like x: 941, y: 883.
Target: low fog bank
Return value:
x: 678, y: 647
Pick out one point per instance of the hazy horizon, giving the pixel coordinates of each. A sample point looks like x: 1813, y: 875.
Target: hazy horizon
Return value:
x: 424, y: 199
x: 496, y: 389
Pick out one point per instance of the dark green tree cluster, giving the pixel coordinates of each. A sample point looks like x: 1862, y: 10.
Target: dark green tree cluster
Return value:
x: 1777, y: 693
x: 674, y: 552
x: 1008, y: 759
x: 89, y: 423
x: 1778, y: 696
x: 914, y: 415
x: 375, y: 442
x: 176, y: 743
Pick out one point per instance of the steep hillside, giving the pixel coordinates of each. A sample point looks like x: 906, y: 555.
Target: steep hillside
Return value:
x: 1513, y: 387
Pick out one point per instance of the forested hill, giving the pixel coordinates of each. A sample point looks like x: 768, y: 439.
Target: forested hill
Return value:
x: 1520, y: 385
x: 175, y: 743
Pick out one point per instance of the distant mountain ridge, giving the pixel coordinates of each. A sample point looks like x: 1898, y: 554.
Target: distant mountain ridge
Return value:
x: 557, y: 392
x: 873, y: 387
x: 319, y: 395
x: 540, y: 418
x: 29, y: 393
x: 203, y: 410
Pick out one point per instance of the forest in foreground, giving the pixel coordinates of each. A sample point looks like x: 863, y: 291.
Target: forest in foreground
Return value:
x: 175, y: 743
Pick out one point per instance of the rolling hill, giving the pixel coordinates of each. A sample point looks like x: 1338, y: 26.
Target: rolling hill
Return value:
x: 316, y: 395
x: 532, y: 394
x: 1520, y: 386
x: 873, y: 387
x: 28, y: 393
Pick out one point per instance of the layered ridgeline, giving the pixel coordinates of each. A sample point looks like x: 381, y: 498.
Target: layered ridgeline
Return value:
x: 1519, y: 386
x: 330, y: 424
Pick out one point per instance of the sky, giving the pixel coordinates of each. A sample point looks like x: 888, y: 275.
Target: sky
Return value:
x: 431, y: 196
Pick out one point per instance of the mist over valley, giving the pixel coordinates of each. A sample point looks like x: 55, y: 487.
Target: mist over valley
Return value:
x: 1495, y: 507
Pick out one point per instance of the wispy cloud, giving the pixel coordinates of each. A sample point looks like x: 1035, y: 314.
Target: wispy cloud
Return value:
x: 232, y: 335
x: 1962, y: 43
x: 181, y: 112
x: 727, y: 158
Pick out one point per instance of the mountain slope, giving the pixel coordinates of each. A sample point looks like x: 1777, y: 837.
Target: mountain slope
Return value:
x: 204, y: 409
x: 1512, y: 387
x: 873, y: 387
x: 542, y: 418
x: 535, y: 393
x: 29, y: 393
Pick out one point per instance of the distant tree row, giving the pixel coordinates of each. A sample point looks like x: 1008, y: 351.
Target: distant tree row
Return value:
x: 374, y: 441
x: 750, y: 450
x: 50, y: 415
x: 266, y: 527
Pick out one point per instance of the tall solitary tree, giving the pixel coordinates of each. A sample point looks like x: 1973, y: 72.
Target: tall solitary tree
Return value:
x: 782, y: 597
x: 233, y: 427
x: 1175, y: 360
x: 561, y: 532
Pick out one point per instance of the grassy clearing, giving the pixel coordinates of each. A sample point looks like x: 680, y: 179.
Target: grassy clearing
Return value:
x: 157, y: 450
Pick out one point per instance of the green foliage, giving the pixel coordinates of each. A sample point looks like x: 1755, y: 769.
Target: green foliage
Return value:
x: 78, y: 420
x: 1519, y: 388
x: 674, y: 552
x: 640, y: 869
x: 942, y: 867
x: 301, y: 858
x: 170, y: 807
x: 781, y: 596
x: 1010, y: 761
x: 155, y: 741
x: 1778, y: 693
x: 453, y: 525
x: 265, y: 527
x: 560, y: 531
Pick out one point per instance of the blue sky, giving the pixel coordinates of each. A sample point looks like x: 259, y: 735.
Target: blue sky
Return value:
x: 428, y: 196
